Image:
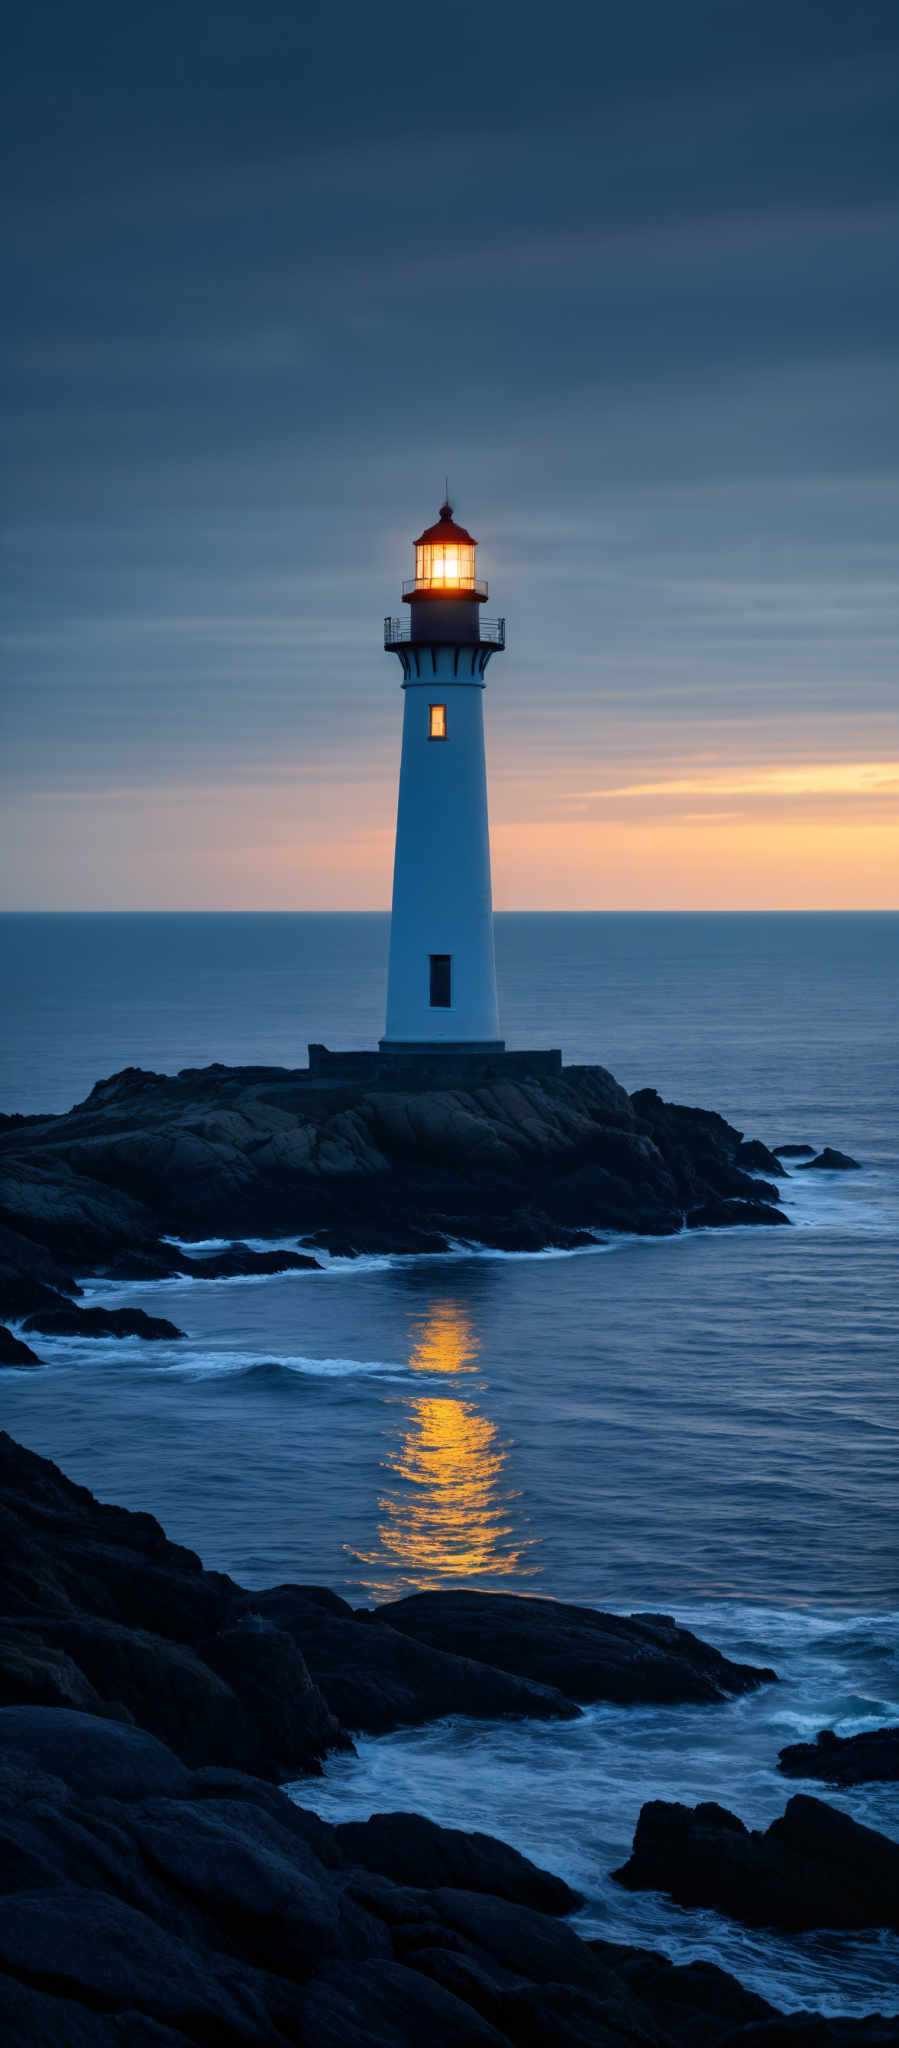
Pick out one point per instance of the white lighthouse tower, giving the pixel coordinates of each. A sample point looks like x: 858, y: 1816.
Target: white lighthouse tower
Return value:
x: 441, y: 993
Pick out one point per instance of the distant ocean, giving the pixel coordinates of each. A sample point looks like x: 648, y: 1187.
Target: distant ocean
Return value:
x: 707, y: 1424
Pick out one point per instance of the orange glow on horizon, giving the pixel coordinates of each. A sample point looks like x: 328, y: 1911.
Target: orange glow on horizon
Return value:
x: 318, y: 838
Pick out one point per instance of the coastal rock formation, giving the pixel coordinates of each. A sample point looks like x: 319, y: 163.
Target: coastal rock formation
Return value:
x: 149, y: 1900
x: 143, y: 1903
x: 831, y: 1161
x: 103, y: 1613
x: 814, y: 1867
x: 13, y: 1351
x: 74, y: 1321
x: 844, y: 1759
x: 518, y: 1163
x: 377, y: 1679
x: 588, y: 1655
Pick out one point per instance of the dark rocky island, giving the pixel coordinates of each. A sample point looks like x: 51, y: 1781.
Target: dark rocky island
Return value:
x: 519, y: 1162
x: 159, y: 1888
x: 844, y: 1759
x: 814, y: 1867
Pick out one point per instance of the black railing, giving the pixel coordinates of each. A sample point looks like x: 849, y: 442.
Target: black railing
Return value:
x: 491, y: 633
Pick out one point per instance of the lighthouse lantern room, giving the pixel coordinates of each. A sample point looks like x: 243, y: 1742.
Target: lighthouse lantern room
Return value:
x: 441, y: 992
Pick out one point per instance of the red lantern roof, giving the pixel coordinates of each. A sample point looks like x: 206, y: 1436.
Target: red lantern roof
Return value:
x: 445, y: 530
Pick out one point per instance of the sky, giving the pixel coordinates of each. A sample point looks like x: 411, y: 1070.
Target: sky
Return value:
x: 627, y: 275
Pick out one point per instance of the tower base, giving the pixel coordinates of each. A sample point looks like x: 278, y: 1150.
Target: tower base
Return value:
x: 433, y: 1066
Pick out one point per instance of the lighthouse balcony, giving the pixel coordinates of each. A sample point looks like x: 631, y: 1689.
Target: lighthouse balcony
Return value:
x: 490, y: 632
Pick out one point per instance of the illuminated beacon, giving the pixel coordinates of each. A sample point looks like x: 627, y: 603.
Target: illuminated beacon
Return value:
x: 441, y: 991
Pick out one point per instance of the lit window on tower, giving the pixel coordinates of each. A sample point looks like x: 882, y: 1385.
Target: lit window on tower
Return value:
x: 437, y: 727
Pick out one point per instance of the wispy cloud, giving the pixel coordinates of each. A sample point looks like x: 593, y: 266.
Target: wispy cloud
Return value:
x: 824, y: 778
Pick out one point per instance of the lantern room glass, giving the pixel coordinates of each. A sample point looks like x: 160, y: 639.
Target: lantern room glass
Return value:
x: 444, y: 565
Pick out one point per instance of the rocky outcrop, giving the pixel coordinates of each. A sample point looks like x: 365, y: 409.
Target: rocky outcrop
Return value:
x: 14, y: 1352
x: 146, y: 1904
x: 250, y: 1151
x: 153, y: 1892
x: 586, y: 1654
x: 830, y: 1161
x: 75, y: 1321
x: 719, y: 1214
x: 814, y: 1867
x: 380, y: 1678
x: 844, y: 1759
x: 238, y: 1261
x: 412, y: 1850
x: 101, y: 1612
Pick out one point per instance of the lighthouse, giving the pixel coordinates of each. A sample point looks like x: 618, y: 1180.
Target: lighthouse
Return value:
x: 442, y: 1025
x: 441, y: 989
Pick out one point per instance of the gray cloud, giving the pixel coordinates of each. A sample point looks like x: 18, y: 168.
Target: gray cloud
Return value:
x: 633, y: 283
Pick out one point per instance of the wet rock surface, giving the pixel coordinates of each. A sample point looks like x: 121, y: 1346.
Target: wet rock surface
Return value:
x: 14, y: 1352
x: 101, y: 1612
x: 586, y: 1654
x: 380, y: 1678
x: 144, y: 1903
x: 844, y: 1759
x: 814, y: 1867
x: 223, y: 1152
x: 154, y: 1892
x: 830, y: 1161
x: 74, y: 1321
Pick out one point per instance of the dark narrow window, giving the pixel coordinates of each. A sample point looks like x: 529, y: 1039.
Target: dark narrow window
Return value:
x: 437, y: 727
x: 441, y: 981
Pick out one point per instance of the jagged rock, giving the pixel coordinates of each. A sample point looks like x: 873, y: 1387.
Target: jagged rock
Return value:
x: 34, y: 1672
x: 588, y: 1655
x: 793, y: 1151
x: 14, y: 1352
x: 239, y: 1260
x: 145, y: 1905
x: 831, y: 1161
x: 107, y: 1600
x: 415, y: 1851
x: 20, y: 1255
x: 377, y: 1679
x: 91, y: 1755
x: 757, y: 1158
x: 719, y: 1214
x: 22, y: 1295
x: 102, y: 1322
x: 93, y: 1948
x: 814, y: 1867
x: 844, y: 1759
x: 385, y: 2003
x: 226, y: 1152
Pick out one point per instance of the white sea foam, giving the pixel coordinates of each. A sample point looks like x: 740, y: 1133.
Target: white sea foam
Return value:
x: 569, y: 1795
x: 225, y: 1364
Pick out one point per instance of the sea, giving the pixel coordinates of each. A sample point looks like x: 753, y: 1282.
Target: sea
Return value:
x: 704, y: 1425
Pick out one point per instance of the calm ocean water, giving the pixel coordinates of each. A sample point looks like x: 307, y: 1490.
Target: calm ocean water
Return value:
x: 706, y: 1424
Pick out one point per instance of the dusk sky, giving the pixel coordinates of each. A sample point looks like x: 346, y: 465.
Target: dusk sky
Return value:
x: 628, y: 275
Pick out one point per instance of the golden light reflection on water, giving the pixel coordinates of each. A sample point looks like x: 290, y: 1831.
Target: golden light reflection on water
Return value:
x: 446, y: 1340
x: 450, y: 1519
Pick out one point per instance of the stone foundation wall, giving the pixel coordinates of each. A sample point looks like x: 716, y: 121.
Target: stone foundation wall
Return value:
x: 438, y: 1068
